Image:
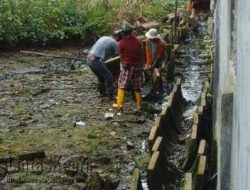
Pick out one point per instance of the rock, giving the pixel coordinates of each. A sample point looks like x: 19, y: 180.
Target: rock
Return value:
x: 116, y: 123
x: 80, y: 124
x: 93, y: 165
x: 47, y: 105
x: 40, y: 91
x: 113, y: 134
x: 130, y: 145
x: 108, y: 115
x: 103, y: 160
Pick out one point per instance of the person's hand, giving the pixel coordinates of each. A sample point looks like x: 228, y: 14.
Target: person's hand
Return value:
x: 148, y: 67
x: 91, y: 57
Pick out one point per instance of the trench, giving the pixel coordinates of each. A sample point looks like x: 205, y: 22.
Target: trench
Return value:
x: 194, y: 70
x: 189, y: 65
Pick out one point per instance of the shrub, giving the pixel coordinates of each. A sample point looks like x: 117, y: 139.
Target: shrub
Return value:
x: 41, y: 21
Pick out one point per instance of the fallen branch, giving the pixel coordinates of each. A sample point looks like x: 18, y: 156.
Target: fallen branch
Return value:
x: 52, y: 56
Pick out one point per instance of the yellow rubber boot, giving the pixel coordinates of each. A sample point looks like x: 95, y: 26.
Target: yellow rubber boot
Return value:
x: 138, y: 99
x: 120, y: 99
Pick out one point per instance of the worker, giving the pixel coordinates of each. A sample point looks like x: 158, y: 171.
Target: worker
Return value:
x: 155, y: 50
x: 130, y: 49
x: 197, y: 7
x: 104, y: 48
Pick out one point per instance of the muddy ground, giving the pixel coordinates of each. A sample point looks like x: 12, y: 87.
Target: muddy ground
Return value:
x: 52, y: 105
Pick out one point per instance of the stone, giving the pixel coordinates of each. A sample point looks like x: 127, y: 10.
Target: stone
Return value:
x: 80, y: 124
x: 112, y: 133
x: 108, y: 115
x: 103, y: 160
x: 130, y: 145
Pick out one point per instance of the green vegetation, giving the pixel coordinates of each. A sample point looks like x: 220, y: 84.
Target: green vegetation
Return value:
x: 43, y: 21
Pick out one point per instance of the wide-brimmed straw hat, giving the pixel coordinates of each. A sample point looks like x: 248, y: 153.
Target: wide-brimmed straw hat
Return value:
x: 152, y: 34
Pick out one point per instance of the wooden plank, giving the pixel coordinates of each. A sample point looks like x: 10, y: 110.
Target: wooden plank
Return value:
x: 171, y: 95
x: 170, y: 100
x: 200, y: 110
x: 188, y: 181
x: 200, y: 173
x: 157, y: 122
x: 207, y: 84
x: 203, y: 102
x: 202, y: 165
x: 164, y: 110
x: 152, y: 134
x: 153, y: 161
x: 112, y: 59
x: 52, y: 56
x: 202, y: 147
x: 136, y: 180
x: 175, y: 89
x: 157, y: 144
x: 154, y: 172
x: 194, y: 131
x: 195, y: 118
x: 191, y: 149
x: 154, y: 131
x: 178, y: 81
x: 203, y: 95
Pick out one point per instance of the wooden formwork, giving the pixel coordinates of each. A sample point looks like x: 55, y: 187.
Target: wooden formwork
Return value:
x: 154, y: 132
x: 136, y: 180
x: 163, y: 136
x: 192, y: 146
x: 188, y: 182
x: 196, y: 160
x: 191, y: 149
x: 166, y: 124
x: 200, y: 173
x: 155, y: 172
x: 158, y: 144
x: 196, y: 174
x: 176, y: 111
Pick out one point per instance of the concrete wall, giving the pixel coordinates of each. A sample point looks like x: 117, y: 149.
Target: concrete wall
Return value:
x: 231, y: 92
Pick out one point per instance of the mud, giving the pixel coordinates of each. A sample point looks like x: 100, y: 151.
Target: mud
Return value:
x: 53, y: 105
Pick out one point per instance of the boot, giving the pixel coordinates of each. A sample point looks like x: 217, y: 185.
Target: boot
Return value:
x: 102, y: 89
x: 120, y: 99
x: 138, y: 99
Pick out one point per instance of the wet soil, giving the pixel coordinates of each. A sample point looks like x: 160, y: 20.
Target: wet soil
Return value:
x: 52, y: 105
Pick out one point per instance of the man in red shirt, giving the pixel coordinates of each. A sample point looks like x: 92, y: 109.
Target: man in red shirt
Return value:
x: 130, y: 49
